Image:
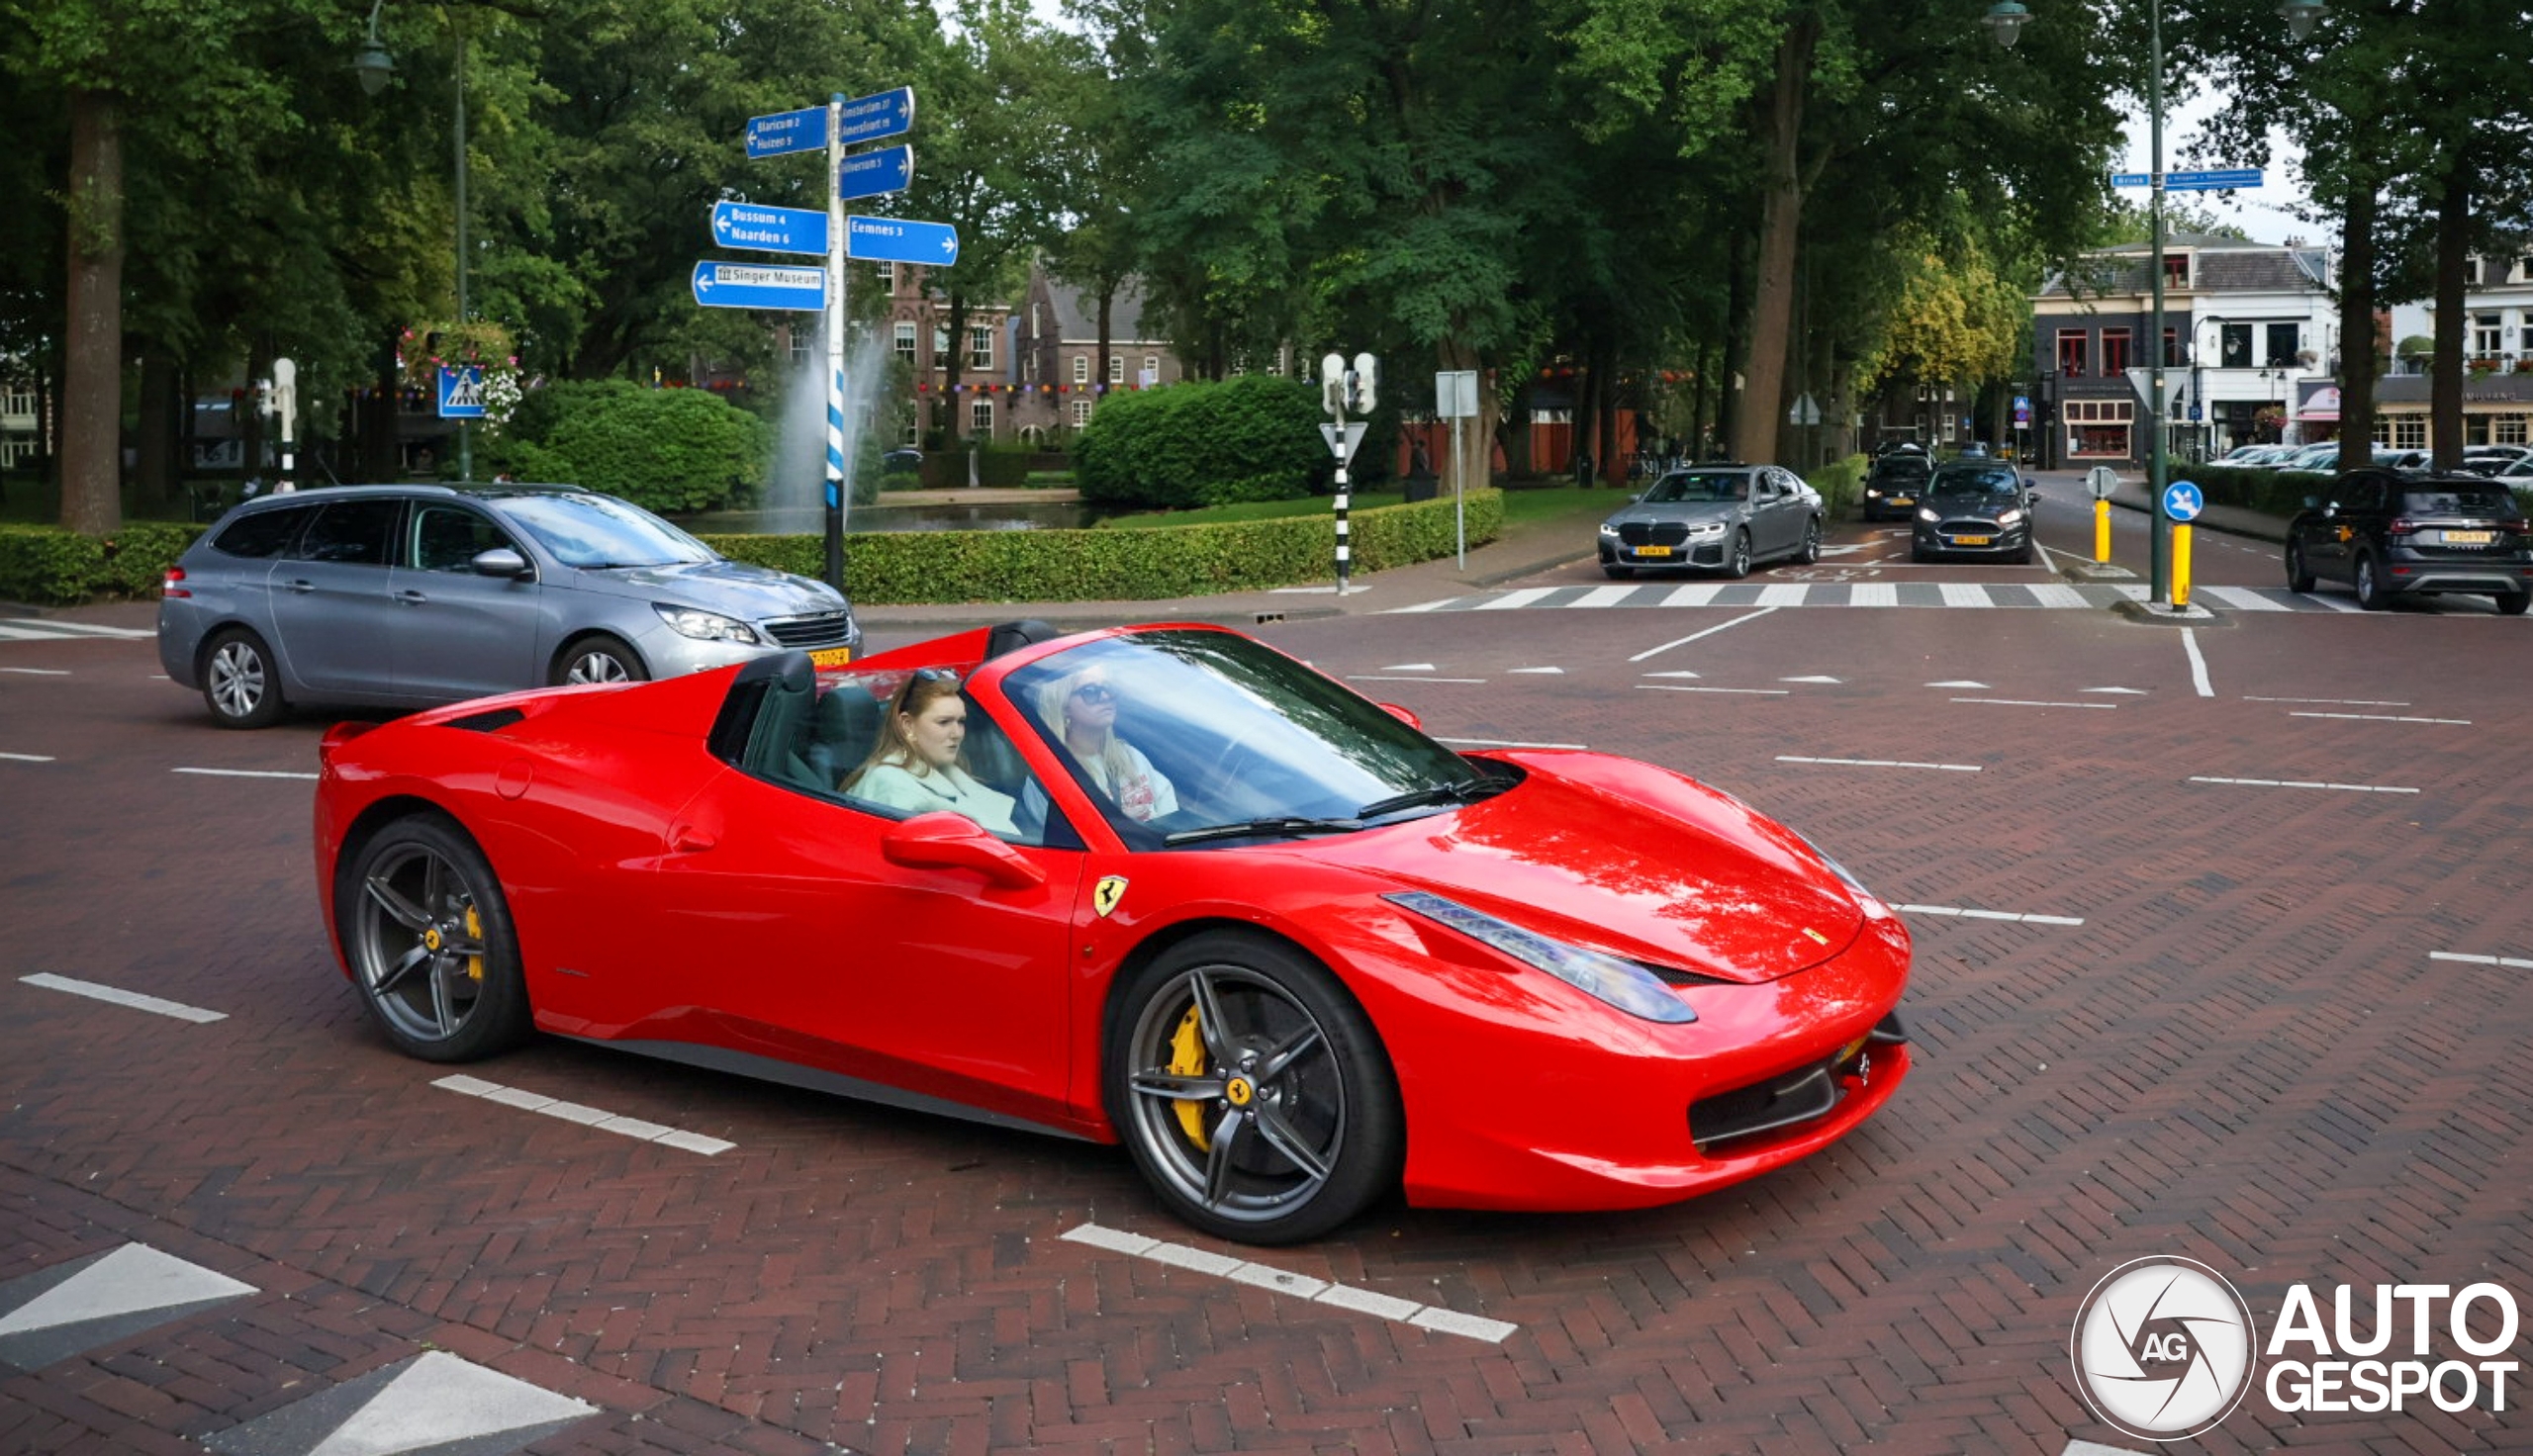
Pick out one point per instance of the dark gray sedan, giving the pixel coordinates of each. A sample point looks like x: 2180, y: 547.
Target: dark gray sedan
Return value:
x: 409, y: 595
x: 1977, y: 509
x: 1726, y: 517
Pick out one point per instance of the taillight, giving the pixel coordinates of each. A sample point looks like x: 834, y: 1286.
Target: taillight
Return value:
x: 2401, y: 526
x: 175, y: 585
x: 2516, y: 528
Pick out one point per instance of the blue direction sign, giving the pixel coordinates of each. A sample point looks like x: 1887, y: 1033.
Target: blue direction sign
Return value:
x: 759, y: 286
x: 2216, y: 181
x: 900, y: 240
x: 461, y: 391
x: 804, y: 130
x: 2131, y: 179
x: 769, y: 229
x: 879, y: 115
x: 2182, y: 501
x: 874, y: 173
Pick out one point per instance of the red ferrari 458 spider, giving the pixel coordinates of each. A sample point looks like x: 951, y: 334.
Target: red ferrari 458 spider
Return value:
x: 1163, y: 886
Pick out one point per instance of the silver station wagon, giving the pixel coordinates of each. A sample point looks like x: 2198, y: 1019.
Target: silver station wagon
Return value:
x: 411, y: 596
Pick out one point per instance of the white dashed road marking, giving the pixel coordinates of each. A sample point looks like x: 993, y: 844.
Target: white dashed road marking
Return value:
x: 1749, y: 691
x: 242, y: 772
x: 120, y: 997
x: 2123, y: 691
x: 1807, y: 680
x: 28, y: 757
x: 2025, y: 703
x: 2343, y: 702
x: 2197, y: 663
x: 1958, y: 912
x: 2510, y: 961
x: 1963, y: 682
x: 39, y: 672
x: 1556, y: 672
x: 1694, y: 636
x: 587, y: 1117
x: 2383, y: 718
x: 1879, y: 763
x: 1369, y: 678
x: 1409, y: 667
x: 1300, y: 1286
x: 2301, y: 783
x: 1509, y: 743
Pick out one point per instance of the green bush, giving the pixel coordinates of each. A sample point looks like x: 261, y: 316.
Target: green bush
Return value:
x: 1840, y: 483
x: 1203, y: 443
x: 49, y: 565
x: 902, y: 567
x: 668, y: 450
x: 2279, y: 492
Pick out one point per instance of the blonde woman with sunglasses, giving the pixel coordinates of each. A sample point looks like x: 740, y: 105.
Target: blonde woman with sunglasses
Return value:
x: 1081, y: 707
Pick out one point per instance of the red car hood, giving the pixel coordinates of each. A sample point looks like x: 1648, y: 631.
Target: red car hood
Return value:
x: 1630, y: 860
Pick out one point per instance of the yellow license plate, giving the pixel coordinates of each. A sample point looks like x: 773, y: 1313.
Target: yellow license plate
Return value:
x: 1653, y: 550
x: 831, y: 656
x: 1972, y: 540
x: 2466, y: 539
x: 1904, y: 500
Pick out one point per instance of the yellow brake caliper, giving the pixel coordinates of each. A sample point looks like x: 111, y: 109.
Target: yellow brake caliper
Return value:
x: 475, y: 933
x: 1187, y: 1059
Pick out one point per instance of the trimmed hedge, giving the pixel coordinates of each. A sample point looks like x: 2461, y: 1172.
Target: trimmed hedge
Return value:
x: 2279, y: 492
x: 909, y: 567
x: 56, y: 566
x: 1840, y: 483
x: 1253, y: 437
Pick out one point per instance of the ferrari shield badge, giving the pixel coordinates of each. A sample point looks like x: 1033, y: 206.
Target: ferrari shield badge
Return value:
x: 1105, y: 894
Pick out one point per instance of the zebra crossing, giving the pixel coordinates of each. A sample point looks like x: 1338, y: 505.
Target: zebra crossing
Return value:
x: 45, y: 629
x: 1973, y: 596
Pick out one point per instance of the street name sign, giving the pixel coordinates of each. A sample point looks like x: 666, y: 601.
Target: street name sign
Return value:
x: 2218, y: 180
x: 2182, y: 500
x: 784, y: 131
x: 769, y: 229
x: 900, y: 240
x: 758, y: 286
x: 879, y: 115
x: 461, y: 391
x: 874, y: 173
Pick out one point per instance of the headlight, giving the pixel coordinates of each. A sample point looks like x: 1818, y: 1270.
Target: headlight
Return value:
x: 1927, y: 514
x: 1873, y: 492
x: 1621, y: 984
x: 2010, y: 518
x: 705, y: 626
x: 1706, y: 528
x: 1609, y: 529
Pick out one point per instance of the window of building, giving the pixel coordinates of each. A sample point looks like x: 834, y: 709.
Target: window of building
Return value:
x: 980, y: 347
x: 981, y: 417
x: 2115, y: 351
x: 2382, y: 431
x: 798, y: 343
x: 1081, y: 413
x: 2485, y: 333
x: 1081, y: 369
x: 905, y: 342
x: 2071, y: 353
x: 2507, y: 429
x: 940, y: 345
x: 2172, y: 349
x: 2098, y: 428
x: 1116, y: 369
x: 2235, y: 346
x: 2176, y: 271
x: 1034, y: 329
x: 19, y: 401
x: 2410, y: 431
x: 1152, y: 367
x: 2285, y: 341
x: 886, y: 273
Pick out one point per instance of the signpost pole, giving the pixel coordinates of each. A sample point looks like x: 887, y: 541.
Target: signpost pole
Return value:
x: 836, y: 492
x: 2159, y: 531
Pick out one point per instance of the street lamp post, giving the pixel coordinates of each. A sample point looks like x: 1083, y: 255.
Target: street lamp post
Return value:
x: 2005, y: 20
x: 376, y: 67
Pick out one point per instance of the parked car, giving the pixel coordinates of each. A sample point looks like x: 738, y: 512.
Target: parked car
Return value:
x: 2501, y: 454
x: 1891, y: 486
x: 1275, y: 990
x: 2252, y: 454
x: 2321, y: 458
x: 2392, y: 533
x: 1726, y: 516
x: 1977, y: 509
x: 409, y: 596
x: 901, y: 459
x: 2405, y: 459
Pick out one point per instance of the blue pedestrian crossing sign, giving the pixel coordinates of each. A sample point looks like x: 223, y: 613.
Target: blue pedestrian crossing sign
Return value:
x: 2183, y: 500
x: 461, y: 391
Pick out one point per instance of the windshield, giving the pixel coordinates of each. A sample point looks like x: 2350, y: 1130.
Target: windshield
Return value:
x: 1985, y: 479
x: 1710, y: 485
x: 596, y: 531
x: 1174, y: 733
x: 2453, y: 499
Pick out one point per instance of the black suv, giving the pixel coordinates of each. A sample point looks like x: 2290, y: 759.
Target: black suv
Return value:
x: 1894, y: 484
x: 2399, y: 532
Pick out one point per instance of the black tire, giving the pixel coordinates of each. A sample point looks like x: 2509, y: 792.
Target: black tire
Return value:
x: 1810, y: 555
x: 2513, y: 603
x: 597, y: 658
x: 240, y: 683
x: 1291, y: 1124
x: 1737, y: 557
x: 2027, y: 554
x: 2300, y: 577
x: 429, y: 937
x: 2370, y: 582
x: 1618, y: 572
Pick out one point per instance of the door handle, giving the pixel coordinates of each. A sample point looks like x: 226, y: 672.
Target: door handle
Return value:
x: 685, y: 839
x: 412, y: 595
x: 300, y: 586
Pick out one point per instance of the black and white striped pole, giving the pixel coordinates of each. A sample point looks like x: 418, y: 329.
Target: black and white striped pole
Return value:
x: 1342, y: 389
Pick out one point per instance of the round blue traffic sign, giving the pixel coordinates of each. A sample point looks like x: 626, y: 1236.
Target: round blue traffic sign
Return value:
x: 2183, y: 500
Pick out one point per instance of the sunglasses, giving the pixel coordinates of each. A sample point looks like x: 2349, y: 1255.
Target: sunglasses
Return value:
x: 1095, y: 692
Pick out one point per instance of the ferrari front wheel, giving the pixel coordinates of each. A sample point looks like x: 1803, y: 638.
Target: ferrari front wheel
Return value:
x: 1251, y: 1090
x: 431, y: 942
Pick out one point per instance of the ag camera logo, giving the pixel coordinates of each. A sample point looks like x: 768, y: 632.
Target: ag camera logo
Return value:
x: 2163, y: 1348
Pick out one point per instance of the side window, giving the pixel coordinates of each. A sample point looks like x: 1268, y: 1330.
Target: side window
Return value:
x: 845, y: 746
x: 262, y: 533
x: 353, y: 533
x: 2366, y: 492
x: 448, y: 538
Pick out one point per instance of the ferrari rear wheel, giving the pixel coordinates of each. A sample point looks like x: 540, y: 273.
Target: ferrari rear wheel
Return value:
x: 1251, y: 1090
x: 431, y: 942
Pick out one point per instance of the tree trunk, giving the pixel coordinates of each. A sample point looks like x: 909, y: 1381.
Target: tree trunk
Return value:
x: 1107, y: 295
x: 2357, y: 362
x: 160, y: 436
x: 92, y: 374
x: 2452, y: 255
x: 1605, y: 439
x: 1752, y: 424
x: 953, y: 432
x: 380, y: 459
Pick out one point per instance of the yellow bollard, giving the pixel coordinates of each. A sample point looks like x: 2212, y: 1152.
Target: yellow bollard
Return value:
x: 2102, y: 532
x: 2181, y: 563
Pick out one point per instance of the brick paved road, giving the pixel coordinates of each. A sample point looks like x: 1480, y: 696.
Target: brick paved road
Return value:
x: 2244, y: 1053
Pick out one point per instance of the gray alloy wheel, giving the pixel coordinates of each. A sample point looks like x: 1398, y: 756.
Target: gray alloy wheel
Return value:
x: 239, y: 681
x: 2300, y: 577
x: 1737, y: 561
x: 431, y: 947
x: 1251, y: 1092
x: 599, y: 659
x: 2370, y: 582
x: 1810, y: 552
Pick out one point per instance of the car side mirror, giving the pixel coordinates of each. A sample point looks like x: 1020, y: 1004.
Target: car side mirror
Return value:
x: 1403, y: 715
x: 942, y: 840
x: 501, y: 560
